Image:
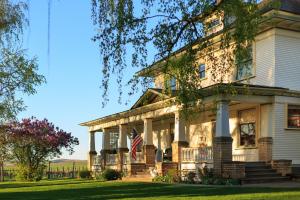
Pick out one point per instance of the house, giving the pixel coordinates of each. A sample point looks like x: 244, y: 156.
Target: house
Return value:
x: 253, y: 136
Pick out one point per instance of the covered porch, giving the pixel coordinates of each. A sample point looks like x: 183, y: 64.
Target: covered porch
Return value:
x: 238, y: 130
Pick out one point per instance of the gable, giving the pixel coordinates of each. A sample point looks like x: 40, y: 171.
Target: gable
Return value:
x: 150, y: 96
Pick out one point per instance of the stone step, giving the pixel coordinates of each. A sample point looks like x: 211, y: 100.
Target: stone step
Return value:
x: 254, y: 168
x: 260, y: 171
x: 137, y: 179
x: 258, y: 175
x: 256, y: 163
x: 264, y: 180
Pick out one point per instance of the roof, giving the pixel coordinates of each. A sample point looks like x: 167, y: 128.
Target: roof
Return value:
x: 240, y: 88
x: 291, y: 6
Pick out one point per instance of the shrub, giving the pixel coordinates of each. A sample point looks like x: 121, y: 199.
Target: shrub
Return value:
x: 24, y: 173
x: 111, y: 174
x: 191, y: 177
x: 170, y: 177
x: 85, y: 174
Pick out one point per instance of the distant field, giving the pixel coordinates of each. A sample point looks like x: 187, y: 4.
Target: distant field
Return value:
x: 57, y: 165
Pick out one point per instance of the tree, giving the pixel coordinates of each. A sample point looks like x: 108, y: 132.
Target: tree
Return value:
x: 4, y: 153
x: 170, y: 26
x: 32, y: 142
x: 18, y: 73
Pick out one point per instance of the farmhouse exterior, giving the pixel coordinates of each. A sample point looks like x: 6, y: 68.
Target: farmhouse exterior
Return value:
x: 259, y: 129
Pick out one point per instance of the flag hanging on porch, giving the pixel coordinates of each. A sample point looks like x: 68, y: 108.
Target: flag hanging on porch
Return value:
x: 136, y: 140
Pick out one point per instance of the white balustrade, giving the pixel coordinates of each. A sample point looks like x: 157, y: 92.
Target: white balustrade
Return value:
x: 111, y: 159
x: 201, y: 154
x: 127, y: 158
x: 238, y: 157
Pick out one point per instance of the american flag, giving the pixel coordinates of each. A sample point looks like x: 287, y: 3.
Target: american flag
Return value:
x: 136, y: 140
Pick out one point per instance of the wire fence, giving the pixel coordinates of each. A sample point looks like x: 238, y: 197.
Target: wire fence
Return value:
x: 61, y: 172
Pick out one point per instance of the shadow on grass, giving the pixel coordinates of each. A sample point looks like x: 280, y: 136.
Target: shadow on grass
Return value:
x: 117, y: 190
x: 42, y: 183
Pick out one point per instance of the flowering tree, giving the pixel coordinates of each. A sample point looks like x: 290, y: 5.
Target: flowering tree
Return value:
x: 32, y: 142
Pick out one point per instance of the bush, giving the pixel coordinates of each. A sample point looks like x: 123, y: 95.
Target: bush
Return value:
x: 191, y: 177
x: 170, y: 177
x: 25, y: 174
x: 111, y: 174
x: 85, y: 174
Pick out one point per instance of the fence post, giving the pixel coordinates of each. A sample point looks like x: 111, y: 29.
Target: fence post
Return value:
x: 1, y: 171
x: 73, y: 170
x: 49, y: 165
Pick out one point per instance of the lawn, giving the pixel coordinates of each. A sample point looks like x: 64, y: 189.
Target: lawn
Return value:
x: 84, y: 190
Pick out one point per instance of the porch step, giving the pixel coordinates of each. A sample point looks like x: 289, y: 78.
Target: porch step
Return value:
x: 265, y: 179
x: 135, y: 178
x: 261, y: 172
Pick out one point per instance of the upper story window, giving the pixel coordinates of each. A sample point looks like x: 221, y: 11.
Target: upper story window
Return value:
x: 202, y: 71
x: 293, y: 119
x: 173, y: 83
x: 245, y: 66
x: 213, y: 23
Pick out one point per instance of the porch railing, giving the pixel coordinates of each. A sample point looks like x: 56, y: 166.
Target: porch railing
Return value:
x: 128, y: 159
x: 239, y: 157
x: 111, y: 159
x: 201, y: 154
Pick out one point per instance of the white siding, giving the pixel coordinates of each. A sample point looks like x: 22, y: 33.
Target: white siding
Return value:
x: 264, y: 59
x: 287, y: 54
x: 286, y: 143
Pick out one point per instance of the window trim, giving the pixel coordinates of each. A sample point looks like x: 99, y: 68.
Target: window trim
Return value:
x: 173, y: 87
x: 257, y: 128
x: 253, y: 47
x: 286, y: 116
x: 201, y: 71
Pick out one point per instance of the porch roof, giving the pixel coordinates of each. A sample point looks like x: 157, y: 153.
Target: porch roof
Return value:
x: 210, y: 93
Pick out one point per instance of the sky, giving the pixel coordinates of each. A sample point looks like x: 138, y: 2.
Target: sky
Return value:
x: 72, y: 93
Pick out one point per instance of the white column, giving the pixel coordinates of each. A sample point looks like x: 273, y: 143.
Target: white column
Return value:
x: 122, y: 141
x: 105, y: 139
x: 266, y: 121
x: 92, y: 142
x: 179, y: 126
x: 222, y: 121
x: 148, y: 135
x: 159, y: 156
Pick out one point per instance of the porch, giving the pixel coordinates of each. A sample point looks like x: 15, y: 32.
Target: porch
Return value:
x: 239, y: 131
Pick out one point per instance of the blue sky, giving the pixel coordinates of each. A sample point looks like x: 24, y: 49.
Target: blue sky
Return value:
x: 72, y: 93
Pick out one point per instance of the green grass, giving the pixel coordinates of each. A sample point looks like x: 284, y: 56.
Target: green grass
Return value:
x: 85, y: 189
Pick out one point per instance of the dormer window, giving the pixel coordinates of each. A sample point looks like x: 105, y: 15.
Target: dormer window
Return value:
x: 245, y: 66
x: 202, y: 71
x: 213, y: 26
x: 214, y: 23
x: 173, y: 83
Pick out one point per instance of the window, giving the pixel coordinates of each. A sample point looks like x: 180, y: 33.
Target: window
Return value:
x: 202, y: 71
x: 247, y: 128
x: 173, y: 83
x: 213, y: 23
x: 244, y: 66
x: 247, y: 135
x: 293, y: 120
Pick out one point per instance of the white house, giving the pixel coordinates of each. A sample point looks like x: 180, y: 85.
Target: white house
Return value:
x: 257, y: 130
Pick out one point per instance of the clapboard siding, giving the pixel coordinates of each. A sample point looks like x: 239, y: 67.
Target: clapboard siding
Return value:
x: 287, y: 64
x: 286, y: 143
x: 264, y: 59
